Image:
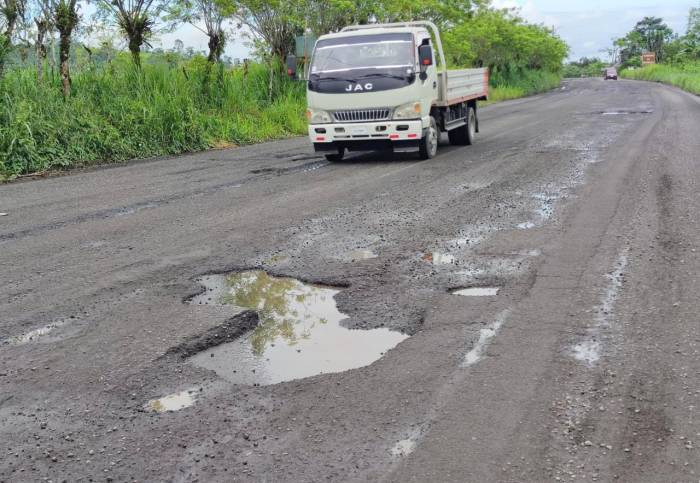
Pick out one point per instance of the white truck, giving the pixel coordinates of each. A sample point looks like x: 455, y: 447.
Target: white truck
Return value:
x: 378, y: 87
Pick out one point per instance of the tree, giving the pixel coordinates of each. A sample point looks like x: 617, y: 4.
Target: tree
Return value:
x: 630, y: 46
x: 136, y: 20
x: 43, y: 22
x: 504, y: 42
x: 653, y: 34
x: 207, y: 17
x: 444, y: 13
x: 692, y: 37
x: 275, y: 23
x: 322, y: 17
x: 11, y: 12
x: 65, y: 18
x: 694, y: 22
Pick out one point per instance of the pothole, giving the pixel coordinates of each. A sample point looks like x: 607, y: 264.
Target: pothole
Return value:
x: 587, y: 351
x: 477, y: 292
x: 53, y: 332
x: 437, y: 258
x: 404, y: 447
x: 476, y: 353
x: 136, y: 208
x: 298, y: 334
x: 362, y: 254
x: 623, y: 113
x: 33, y: 335
x: 172, y: 402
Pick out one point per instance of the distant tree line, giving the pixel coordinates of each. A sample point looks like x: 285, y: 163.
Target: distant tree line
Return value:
x: 652, y: 34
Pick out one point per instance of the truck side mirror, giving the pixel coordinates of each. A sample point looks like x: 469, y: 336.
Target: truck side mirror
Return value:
x: 292, y: 66
x: 425, y: 57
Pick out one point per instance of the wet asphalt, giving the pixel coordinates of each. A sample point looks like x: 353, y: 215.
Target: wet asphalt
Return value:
x: 580, y: 205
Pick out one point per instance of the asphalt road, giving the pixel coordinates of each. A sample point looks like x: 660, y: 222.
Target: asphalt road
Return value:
x: 581, y: 205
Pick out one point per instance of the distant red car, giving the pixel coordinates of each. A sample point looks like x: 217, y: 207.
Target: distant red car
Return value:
x: 610, y: 73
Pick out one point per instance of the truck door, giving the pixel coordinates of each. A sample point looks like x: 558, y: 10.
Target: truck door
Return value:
x: 429, y: 86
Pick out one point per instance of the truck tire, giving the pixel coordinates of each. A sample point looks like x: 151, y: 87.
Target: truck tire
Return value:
x: 464, y: 135
x: 336, y: 157
x: 428, y: 146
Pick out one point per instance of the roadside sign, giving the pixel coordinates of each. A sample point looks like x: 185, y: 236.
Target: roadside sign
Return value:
x: 648, y: 58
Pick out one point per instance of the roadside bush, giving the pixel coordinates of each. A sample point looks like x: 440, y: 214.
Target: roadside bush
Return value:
x: 516, y: 84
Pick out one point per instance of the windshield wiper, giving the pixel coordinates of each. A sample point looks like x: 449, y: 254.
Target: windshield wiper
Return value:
x: 331, y: 78
x: 388, y: 76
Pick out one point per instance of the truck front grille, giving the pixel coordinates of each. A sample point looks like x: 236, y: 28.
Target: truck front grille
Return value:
x: 362, y: 115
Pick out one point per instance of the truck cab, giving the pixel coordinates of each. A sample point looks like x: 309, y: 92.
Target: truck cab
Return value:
x: 385, y: 87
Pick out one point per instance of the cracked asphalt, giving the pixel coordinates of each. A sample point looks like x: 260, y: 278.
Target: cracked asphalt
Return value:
x: 580, y: 204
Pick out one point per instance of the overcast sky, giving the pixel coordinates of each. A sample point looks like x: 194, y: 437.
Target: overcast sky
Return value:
x: 586, y: 25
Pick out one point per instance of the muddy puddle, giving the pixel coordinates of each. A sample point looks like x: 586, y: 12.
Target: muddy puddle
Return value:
x: 298, y: 335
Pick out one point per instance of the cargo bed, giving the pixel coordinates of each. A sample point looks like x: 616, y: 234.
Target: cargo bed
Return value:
x: 455, y: 86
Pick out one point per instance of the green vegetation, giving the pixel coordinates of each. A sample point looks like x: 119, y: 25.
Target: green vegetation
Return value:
x: 585, y: 67
x: 523, y: 59
x: 686, y: 76
x: 678, y: 55
x: 525, y: 83
x: 64, y: 102
x: 118, y: 112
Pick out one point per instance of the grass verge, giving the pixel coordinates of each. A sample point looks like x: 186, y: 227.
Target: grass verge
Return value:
x: 117, y: 112
x: 522, y: 84
x: 685, y: 76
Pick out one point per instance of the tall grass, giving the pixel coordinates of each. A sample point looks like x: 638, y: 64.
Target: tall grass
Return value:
x: 521, y: 83
x: 117, y: 113
x: 685, y: 76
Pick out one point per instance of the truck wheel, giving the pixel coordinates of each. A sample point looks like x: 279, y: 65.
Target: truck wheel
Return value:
x: 429, y: 144
x: 335, y: 157
x: 464, y: 135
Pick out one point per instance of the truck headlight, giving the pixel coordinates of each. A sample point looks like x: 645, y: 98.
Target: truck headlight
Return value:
x: 412, y: 110
x: 316, y: 116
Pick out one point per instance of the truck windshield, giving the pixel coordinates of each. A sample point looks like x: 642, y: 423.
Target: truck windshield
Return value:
x: 386, y: 51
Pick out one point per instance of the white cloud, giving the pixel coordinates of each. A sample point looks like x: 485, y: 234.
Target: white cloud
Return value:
x: 529, y: 11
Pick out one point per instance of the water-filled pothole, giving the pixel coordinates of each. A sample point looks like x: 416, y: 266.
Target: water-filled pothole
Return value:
x: 477, y: 291
x: 437, y: 258
x: 172, y: 402
x: 298, y: 335
x: 362, y: 254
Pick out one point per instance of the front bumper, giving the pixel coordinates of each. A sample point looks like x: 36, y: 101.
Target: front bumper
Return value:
x: 367, y: 136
